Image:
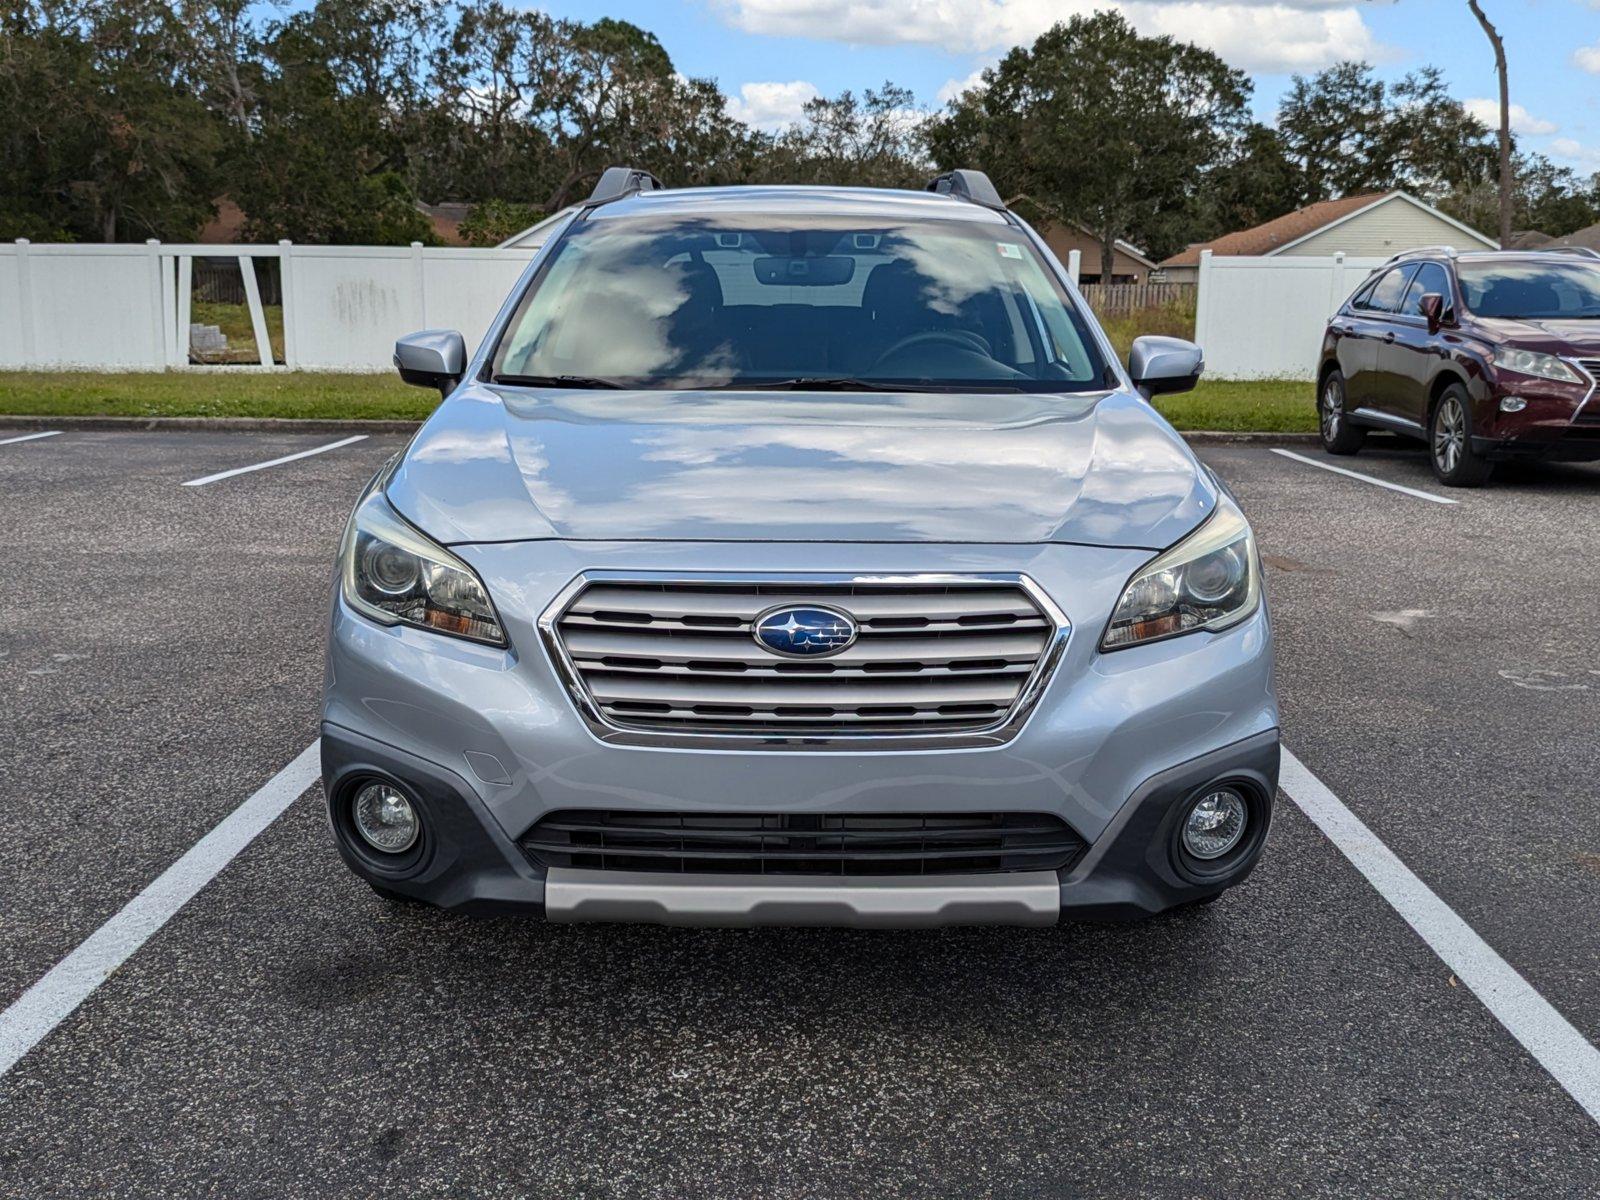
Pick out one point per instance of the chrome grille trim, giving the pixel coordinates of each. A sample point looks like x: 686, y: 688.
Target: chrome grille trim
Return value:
x: 667, y: 659
x: 1591, y: 368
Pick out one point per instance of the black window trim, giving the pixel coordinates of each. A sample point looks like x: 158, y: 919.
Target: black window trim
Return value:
x: 1391, y: 314
x: 1448, y: 293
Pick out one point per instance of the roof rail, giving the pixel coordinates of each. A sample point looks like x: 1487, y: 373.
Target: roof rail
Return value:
x: 1447, y: 251
x: 968, y: 185
x: 617, y: 182
x: 1588, y: 250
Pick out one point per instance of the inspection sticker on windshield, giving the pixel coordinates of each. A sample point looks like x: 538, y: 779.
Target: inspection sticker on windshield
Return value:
x: 1009, y: 249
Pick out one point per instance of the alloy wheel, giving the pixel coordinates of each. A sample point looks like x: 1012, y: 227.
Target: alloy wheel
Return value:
x: 1449, y: 434
x: 1331, y: 415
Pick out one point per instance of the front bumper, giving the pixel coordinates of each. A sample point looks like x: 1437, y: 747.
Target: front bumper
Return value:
x: 489, y: 742
x: 1560, y: 423
x: 470, y: 864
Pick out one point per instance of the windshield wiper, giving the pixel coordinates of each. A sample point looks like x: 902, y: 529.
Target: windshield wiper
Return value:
x: 560, y: 381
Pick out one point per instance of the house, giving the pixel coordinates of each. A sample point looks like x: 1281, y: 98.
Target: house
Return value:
x: 1587, y: 238
x: 226, y: 228
x: 1064, y: 235
x: 446, y: 220
x: 1374, y: 225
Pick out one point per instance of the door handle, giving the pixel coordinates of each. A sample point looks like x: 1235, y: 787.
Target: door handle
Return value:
x: 1389, y: 337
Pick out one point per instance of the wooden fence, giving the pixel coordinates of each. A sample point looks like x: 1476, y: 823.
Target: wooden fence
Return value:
x: 1121, y: 299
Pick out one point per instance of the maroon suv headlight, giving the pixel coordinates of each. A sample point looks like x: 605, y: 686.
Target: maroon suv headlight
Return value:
x: 1541, y: 366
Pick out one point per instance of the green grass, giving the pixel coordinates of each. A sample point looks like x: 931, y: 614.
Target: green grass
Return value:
x: 234, y: 321
x: 1266, y: 405
x: 1171, y: 320
x: 1244, y: 406
x: 213, y: 394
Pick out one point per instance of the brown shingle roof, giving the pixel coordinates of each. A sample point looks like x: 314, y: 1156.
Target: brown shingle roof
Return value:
x: 1280, y: 231
x: 1589, y: 236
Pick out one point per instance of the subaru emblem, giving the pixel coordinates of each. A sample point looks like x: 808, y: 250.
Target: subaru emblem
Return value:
x: 804, y: 630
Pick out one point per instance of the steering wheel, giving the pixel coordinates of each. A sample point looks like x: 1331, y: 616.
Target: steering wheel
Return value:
x: 961, y: 339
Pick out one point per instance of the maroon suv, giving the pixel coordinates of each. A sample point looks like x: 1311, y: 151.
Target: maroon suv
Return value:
x: 1485, y: 356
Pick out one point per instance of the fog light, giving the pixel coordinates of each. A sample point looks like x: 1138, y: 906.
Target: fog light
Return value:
x: 385, y: 819
x: 1215, y: 824
x: 1513, y: 404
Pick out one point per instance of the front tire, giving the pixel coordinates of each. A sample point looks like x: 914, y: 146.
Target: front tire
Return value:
x: 1339, y: 434
x: 1450, y: 450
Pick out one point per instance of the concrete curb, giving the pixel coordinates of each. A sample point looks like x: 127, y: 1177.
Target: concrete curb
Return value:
x: 210, y: 424
x: 1199, y: 437
x: 1226, y: 437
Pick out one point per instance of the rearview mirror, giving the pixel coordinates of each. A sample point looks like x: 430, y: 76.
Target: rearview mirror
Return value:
x: 1432, y: 305
x: 1159, y: 365
x: 807, y: 272
x: 435, y: 358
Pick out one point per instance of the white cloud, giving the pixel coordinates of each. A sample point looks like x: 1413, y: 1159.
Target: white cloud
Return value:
x: 1566, y: 147
x: 1257, y: 35
x: 1522, y: 121
x: 954, y: 87
x: 771, y: 105
x: 1587, y: 58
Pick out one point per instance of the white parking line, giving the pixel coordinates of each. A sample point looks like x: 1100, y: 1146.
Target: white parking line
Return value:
x: 1555, y: 1044
x: 262, y: 466
x: 30, y: 437
x: 1383, y: 483
x: 72, y: 980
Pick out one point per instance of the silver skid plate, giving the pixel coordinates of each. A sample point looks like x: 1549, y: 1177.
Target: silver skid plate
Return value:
x: 1023, y: 898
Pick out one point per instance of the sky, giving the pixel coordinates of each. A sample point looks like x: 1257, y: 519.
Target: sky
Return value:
x: 771, y: 55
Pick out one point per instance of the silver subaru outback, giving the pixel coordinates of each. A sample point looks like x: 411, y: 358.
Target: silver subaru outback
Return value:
x: 793, y: 555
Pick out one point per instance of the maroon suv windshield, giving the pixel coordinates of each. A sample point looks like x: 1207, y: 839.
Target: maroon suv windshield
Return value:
x: 1561, y: 288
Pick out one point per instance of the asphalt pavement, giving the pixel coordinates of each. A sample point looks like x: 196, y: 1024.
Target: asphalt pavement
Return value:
x: 290, y: 1034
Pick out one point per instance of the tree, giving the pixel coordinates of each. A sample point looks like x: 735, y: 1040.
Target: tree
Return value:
x: 1349, y: 133
x: 1544, y: 197
x: 493, y: 221
x: 1499, y: 46
x: 1100, y: 122
x: 1254, y: 181
x: 1332, y: 126
x: 873, y: 141
x: 102, y: 136
x: 341, y: 94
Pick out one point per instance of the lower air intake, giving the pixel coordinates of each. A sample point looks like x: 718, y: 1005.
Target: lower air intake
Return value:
x: 844, y: 844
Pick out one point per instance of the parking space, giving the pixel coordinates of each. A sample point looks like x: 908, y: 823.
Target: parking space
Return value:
x: 159, y: 657
x: 287, y: 1033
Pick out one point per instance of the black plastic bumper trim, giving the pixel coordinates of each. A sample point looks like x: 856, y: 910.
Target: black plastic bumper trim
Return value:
x: 471, y: 866
x: 1131, y: 871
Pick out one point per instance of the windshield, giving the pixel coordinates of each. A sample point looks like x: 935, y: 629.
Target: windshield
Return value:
x: 1559, y: 288
x: 758, y: 301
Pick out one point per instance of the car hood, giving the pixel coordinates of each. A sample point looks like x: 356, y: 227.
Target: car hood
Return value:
x: 503, y: 464
x: 1570, y: 339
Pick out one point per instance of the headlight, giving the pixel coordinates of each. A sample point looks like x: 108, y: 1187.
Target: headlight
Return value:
x: 393, y: 574
x: 1210, y: 580
x: 1531, y: 362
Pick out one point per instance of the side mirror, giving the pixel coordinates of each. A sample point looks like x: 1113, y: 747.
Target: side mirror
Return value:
x: 1164, y: 364
x: 1432, y: 305
x: 435, y: 358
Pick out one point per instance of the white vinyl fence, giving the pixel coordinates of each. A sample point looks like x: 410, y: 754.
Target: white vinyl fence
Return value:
x: 1263, y: 318
x: 128, y: 307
